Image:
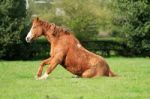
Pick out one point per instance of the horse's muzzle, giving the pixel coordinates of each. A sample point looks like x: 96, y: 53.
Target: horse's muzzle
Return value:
x: 28, y: 39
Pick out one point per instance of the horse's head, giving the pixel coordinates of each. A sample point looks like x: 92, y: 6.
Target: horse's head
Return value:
x: 35, y: 31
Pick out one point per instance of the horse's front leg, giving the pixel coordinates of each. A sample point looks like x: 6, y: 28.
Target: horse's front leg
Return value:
x: 43, y: 63
x: 57, y: 59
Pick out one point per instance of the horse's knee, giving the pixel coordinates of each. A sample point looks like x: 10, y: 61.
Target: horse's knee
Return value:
x: 86, y: 76
x: 89, y: 73
x: 43, y: 63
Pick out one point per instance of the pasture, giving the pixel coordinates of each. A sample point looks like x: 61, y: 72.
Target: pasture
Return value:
x: 17, y: 81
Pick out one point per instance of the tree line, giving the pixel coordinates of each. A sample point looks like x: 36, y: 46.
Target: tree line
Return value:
x: 128, y: 20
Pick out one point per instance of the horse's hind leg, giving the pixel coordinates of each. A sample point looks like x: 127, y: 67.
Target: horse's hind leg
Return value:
x: 40, y: 69
x: 89, y: 73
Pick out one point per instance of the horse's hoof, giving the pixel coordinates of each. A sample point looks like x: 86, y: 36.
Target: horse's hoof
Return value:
x: 44, y: 77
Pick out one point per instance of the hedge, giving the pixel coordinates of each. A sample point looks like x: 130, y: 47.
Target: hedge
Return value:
x: 40, y: 49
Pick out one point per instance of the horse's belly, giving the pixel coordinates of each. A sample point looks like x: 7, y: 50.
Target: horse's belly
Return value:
x: 75, y: 70
x: 76, y: 66
x: 76, y: 61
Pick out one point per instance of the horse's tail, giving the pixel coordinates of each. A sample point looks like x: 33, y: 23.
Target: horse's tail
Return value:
x: 111, y: 74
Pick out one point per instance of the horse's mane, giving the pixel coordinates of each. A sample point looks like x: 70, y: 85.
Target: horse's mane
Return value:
x: 57, y: 29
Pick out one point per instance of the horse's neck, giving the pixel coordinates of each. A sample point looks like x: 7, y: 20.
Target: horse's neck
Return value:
x: 49, y: 38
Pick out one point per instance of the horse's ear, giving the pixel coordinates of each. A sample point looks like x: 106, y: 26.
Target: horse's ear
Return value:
x: 37, y: 18
x: 33, y: 17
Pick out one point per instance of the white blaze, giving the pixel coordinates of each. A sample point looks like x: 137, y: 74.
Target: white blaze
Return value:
x: 29, y: 35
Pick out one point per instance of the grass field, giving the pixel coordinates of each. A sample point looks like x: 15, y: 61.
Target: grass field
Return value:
x: 17, y: 81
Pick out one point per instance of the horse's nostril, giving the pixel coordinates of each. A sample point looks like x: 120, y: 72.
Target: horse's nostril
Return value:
x: 27, y: 39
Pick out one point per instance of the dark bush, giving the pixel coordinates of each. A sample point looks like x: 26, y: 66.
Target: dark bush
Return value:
x: 11, y: 27
x: 133, y: 20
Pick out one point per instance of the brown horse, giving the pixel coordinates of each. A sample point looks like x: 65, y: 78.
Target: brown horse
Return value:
x: 67, y: 51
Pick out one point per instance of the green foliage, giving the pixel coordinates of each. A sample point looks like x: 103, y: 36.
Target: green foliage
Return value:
x: 12, y: 13
x: 133, y: 19
x: 84, y: 17
x: 126, y: 19
x: 80, y: 18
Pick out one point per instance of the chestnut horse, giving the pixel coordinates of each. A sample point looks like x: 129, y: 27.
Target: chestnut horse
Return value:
x: 67, y: 51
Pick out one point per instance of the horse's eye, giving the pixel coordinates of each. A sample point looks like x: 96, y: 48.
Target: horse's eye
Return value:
x: 34, y: 27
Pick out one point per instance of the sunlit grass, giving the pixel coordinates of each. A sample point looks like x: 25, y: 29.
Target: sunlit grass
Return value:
x: 17, y: 81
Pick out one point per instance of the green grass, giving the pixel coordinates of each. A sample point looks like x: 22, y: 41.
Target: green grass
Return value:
x: 17, y: 81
